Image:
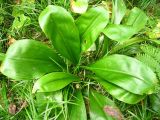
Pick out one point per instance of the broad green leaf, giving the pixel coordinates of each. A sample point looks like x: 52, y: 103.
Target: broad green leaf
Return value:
x: 127, y: 73
x: 91, y: 24
x: 118, y: 11
x: 77, y: 110
x: 137, y: 18
x: 103, y: 108
x: 54, y: 81
x: 155, y: 104
x: 120, y: 93
x: 119, y: 33
x: 29, y: 59
x: 79, y: 6
x: 59, y: 27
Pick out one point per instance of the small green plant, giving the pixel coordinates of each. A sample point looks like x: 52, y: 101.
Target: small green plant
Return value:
x: 65, y: 70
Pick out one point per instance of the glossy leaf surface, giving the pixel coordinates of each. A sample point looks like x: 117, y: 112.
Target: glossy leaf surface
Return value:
x: 120, y: 93
x: 77, y: 110
x: 53, y: 82
x: 127, y: 73
x: 103, y: 108
x: 91, y: 24
x: 137, y: 18
x: 29, y: 59
x: 59, y: 27
x: 119, y: 10
x: 119, y: 33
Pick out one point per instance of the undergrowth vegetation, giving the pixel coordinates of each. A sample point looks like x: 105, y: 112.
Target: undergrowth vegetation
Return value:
x: 79, y: 60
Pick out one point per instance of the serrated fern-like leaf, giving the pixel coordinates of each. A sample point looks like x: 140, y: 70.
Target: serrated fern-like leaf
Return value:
x: 150, y: 56
x: 151, y: 51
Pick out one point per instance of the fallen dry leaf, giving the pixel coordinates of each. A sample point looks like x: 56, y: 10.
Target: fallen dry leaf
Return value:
x: 114, y: 112
x: 12, y: 109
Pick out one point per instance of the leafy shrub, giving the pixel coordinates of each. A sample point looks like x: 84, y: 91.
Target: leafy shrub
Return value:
x: 63, y: 69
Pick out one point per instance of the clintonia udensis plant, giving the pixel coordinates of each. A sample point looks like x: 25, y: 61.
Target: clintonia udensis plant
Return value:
x: 66, y: 69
